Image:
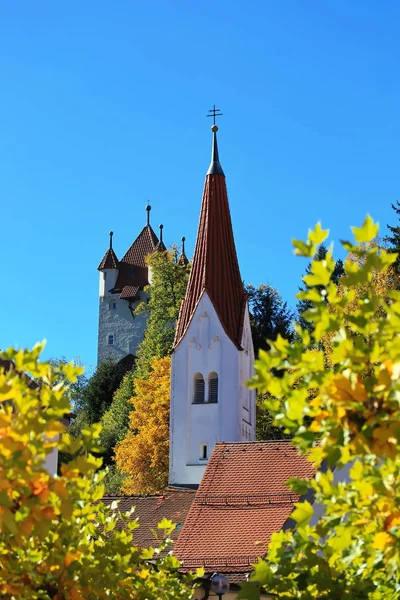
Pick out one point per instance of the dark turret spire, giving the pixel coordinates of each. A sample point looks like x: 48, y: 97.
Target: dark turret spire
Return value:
x: 110, y: 260
x: 161, y: 246
x: 148, y: 209
x: 183, y: 260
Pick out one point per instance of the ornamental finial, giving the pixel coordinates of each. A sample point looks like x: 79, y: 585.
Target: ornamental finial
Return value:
x: 215, y: 167
x: 111, y: 237
x: 148, y: 209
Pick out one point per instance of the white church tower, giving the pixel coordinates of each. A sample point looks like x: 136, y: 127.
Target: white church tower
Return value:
x: 121, y: 289
x: 213, y: 352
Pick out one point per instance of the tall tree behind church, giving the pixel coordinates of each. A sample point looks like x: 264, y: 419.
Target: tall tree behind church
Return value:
x: 394, y: 239
x: 305, y: 305
x: 269, y: 316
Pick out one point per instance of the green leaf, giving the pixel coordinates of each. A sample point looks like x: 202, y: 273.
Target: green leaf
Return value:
x: 167, y: 525
x: 367, y: 231
x: 303, y: 249
x: 302, y: 513
x: 249, y: 591
x: 317, y: 235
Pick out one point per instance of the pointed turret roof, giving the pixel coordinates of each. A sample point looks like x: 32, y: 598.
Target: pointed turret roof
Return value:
x: 161, y: 246
x: 215, y: 267
x: 183, y: 259
x: 133, y: 271
x: 110, y: 260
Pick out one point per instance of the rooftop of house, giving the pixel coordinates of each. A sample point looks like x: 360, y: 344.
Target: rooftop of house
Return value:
x: 173, y: 503
x: 242, y: 499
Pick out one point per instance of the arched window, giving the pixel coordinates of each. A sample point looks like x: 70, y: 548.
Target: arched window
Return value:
x: 110, y: 340
x: 198, y: 395
x: 213, y: 387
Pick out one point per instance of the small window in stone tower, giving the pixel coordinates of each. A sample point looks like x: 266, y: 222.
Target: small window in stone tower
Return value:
x: 213, y: 387
x: 203, y: 452
x: 199, y: 387
x: 110, y: 340
x: 113, y: 305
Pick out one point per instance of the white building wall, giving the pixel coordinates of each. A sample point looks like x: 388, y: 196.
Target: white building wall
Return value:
x: 126, y: 328
x: 206, y: 348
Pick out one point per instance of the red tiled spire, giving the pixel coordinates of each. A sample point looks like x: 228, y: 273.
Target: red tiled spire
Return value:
x: 215, y: 267
x: 110, y: 260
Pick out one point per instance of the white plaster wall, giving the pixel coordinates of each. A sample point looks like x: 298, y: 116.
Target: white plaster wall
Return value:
x: 247, y: 396
x: 107, y: 280
x: 128, y: 330
x: 205, y: 348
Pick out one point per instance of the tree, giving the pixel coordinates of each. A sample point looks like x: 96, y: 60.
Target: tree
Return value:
x: 394, y: 238
x: 304, y: 305
x: 76, y: 389
x: 269, y: 315
x: 115, y: 425
x: 57, y: 540
x: 344, y: 417
x: 115, y: 421
x: 144, y: 453
x: 98, y: 394
x: 265, y: 428
x: 167, y: 290
x: 169, y: 281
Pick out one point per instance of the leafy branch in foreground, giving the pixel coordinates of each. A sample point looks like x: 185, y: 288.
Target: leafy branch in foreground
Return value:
x: 58, y: 540
x: 345, y: 415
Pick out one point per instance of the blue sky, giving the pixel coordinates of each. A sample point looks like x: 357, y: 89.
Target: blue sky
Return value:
x: 103, y: 107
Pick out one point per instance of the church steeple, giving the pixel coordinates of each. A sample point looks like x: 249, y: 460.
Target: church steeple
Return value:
x: 215, y: 267
x: 213, y: 350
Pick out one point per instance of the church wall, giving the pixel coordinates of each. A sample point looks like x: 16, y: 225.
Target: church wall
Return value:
x: 204, y: 349
x: 247, y: 397
x: 127, y: 330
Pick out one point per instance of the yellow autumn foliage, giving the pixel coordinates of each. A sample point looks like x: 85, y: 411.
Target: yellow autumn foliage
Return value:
x: 58, y: 541
x: 144, y: 453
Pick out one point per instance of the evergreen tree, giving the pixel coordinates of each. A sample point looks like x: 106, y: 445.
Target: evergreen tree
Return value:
x: 97, y: 396
x: 269, y: 315
x: 115, y: 421
x: 304, y: 305
x: 394, y: 238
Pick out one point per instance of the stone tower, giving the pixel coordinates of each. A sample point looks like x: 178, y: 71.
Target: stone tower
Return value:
x: 213, y: 352
x: 122, y: 284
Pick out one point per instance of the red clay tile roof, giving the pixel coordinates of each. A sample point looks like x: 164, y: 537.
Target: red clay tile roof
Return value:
x: 215, y: 267
x: 173, y: 504
x: 129, y: 291
x: 133, y: 272
x: 110, y: 260
x: 242, y: 499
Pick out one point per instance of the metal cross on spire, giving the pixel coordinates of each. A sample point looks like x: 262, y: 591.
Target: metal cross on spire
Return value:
x: 214, y: 112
